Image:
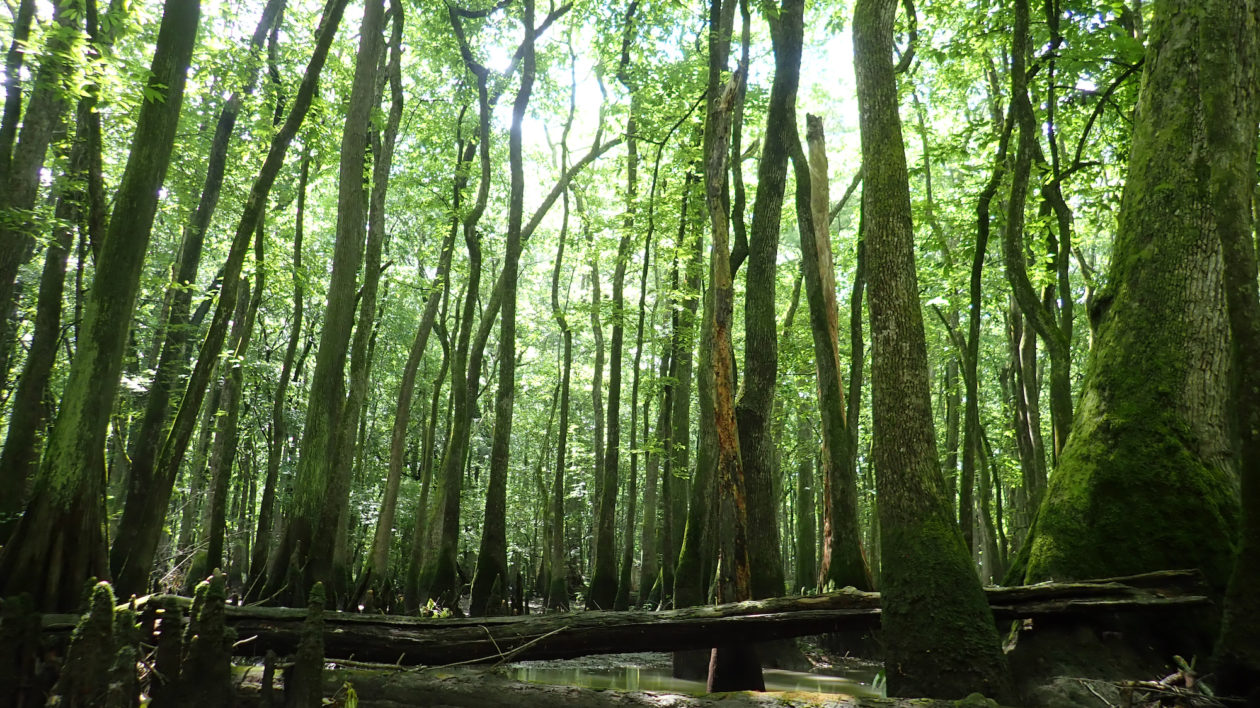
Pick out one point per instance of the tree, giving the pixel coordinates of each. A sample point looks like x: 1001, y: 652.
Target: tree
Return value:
x: 761, y: 356
x: 492, y: 569
x: 133, y: 569
x: 320, y: 490
x: 952, y: 648
x: 59, y: 543
x: 1147, y: 478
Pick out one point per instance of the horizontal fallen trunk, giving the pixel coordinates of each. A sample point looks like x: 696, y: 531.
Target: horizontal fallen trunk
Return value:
x: 410, y: 641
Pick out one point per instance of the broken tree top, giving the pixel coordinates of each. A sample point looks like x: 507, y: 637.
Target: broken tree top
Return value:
x: 411, y: 640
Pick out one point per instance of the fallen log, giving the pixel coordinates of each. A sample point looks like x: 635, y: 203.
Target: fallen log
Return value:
x: 445, y: 642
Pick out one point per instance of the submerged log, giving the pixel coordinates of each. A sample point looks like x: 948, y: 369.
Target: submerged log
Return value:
x: 410, y: 641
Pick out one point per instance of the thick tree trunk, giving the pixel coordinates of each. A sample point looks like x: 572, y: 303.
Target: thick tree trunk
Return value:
x: 1150, y: 454
x: 938, y: 632
x: 59, y: 542
x: 1238, y: 648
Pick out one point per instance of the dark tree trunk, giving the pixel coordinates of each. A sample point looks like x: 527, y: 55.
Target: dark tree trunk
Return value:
x: 59, y: 542
x: 938, y: 632
x: 223, y: 454
x: 1238, y: 648
x: 279, y: 423
x: 761, y: 356
x: 45, y: 115
x: 139, y: 558
x: 320, y: 489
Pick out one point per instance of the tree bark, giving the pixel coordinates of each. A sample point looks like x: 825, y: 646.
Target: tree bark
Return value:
x: 1149, y: 454
x: 44, y: 116
x: 145, y: 485
x: 279, y: 423
x: 1237, y: 654
x: 140, y: 553
x: 843, y: 563
x: 938, y: 632
x: 319, y: 490
x: 59, y: 542
x: 761, y: 357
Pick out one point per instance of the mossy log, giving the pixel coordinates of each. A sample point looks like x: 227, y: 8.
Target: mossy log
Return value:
x: 410, y: 640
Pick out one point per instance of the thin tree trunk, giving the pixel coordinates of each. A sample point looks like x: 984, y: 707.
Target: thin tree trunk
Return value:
x: 139, y: 553
x: 45, y: 116
x: 492, y: 568
x: 279, y: 406
x: 761, y: 357
x: 842, y: 562
x: 227, y: 431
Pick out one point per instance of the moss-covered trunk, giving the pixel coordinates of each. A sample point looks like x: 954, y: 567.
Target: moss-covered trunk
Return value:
x: 59, y: 542
x: 1145, y: 481
x: 938, y: 632
x: 761, y: 355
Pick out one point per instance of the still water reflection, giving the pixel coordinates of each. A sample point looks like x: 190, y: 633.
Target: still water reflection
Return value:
x: 855, y: 682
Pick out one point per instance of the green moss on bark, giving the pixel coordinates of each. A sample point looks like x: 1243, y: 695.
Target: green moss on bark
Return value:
x: 924, y: 563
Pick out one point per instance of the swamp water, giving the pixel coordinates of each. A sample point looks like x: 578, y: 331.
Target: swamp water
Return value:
x: 853, y: 681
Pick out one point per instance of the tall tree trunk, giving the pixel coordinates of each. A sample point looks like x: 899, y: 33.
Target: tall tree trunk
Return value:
x: 13, y: 60
x: 59, y: 543
x: 319, y: 491
x: 731, y: 667
x: 354, y: 414
x: 492, y: 558
x: 144, y: 485
x: 761, y: 357
x: 437, y: 578
x: 597, y: 377
x: 939, y: 635
x: 279, y: 407
x: 45, y: 115
x: 134, y: 569
x: 226, y: 431
x: 19, y: 460
x: 1056, y: 334
x: 682, y: 346
x: 627, y: 557
x: 1238, y: 648
x: 842, y: 561
x: 1150, y: 454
